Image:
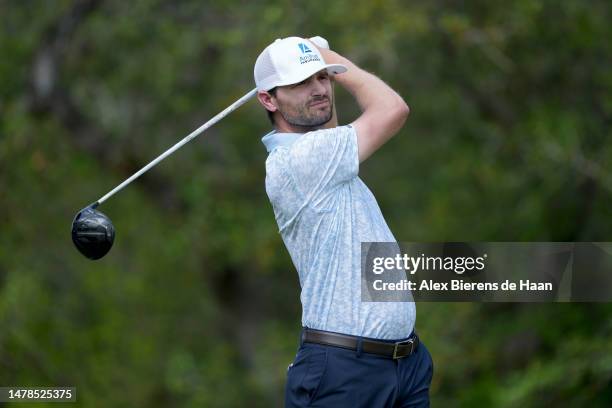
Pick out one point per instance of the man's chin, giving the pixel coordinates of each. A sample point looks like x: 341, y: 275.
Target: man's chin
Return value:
x: 313, y: 123
x: 325, y: 118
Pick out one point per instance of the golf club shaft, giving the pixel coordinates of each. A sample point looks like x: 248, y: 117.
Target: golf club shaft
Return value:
x: 187, y: 138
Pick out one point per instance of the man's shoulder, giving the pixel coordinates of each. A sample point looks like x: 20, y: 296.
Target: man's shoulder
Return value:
x: 311, y: 150
x: 322, y: 136
x: 338, y: 130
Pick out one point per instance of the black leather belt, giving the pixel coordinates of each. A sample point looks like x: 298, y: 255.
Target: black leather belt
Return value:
x: 392, y: 350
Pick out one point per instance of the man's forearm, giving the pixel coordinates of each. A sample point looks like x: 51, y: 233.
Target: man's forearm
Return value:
x: 369, y: 91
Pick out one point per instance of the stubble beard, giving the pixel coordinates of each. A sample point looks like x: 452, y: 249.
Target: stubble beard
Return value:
x: 303, y: 118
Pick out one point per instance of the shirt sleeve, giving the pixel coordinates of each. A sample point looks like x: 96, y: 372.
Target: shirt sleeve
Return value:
x: 322, y: 160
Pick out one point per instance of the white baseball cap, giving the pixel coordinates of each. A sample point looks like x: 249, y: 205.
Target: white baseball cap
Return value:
x: 289, y: 61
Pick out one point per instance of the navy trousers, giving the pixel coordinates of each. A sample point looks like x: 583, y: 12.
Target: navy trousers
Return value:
x: 328, y: 376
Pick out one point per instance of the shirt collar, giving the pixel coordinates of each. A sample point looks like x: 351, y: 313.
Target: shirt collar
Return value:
x: 275, y: 139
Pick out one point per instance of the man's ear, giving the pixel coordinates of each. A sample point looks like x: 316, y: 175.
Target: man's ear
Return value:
x: 267, y: 100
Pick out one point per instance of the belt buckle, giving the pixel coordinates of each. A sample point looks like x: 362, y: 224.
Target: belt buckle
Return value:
x: 401, y: 343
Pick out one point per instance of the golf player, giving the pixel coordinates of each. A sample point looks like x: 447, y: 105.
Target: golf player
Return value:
x: 352, y: 353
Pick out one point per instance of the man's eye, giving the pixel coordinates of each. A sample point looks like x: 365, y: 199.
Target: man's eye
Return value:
x: 299, y: 83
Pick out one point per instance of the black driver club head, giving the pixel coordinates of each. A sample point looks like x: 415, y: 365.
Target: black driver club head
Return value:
x: 93, y: 233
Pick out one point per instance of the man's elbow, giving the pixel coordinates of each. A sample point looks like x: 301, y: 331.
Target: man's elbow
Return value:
x: 403, y: 108
x: 401, y: 111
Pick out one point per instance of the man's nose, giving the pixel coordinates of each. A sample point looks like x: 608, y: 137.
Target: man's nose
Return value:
x: 318, y: 87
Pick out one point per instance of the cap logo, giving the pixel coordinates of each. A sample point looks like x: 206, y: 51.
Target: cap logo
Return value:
x: 304, y: 48
x: 307, y: 54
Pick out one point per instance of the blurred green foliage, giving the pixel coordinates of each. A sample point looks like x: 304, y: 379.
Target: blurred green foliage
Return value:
x: 198, y: 302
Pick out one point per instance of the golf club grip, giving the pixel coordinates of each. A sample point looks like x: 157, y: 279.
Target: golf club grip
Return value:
x: 178, y: 145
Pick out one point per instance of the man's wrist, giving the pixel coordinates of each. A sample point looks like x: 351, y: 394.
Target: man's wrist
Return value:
x: 332, y: 57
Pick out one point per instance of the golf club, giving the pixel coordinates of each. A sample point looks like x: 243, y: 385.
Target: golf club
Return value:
x: 93, y: 232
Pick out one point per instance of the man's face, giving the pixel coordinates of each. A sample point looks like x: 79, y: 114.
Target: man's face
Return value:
x: 307, y: 104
